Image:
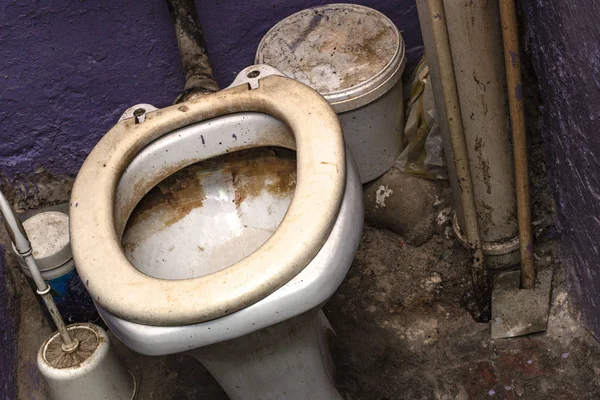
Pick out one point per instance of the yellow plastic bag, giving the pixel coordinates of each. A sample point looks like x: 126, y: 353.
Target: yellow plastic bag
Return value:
x: 423, y: 154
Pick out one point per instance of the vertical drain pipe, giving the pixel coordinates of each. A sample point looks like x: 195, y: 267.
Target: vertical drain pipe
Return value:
x: 199, y: 79
x: 435, y: 31
x: 476, y: 43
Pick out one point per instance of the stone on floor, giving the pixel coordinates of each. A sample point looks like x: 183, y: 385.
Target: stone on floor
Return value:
x: 404, y: 204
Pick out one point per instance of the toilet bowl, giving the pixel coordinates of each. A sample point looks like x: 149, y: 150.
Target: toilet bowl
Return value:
x: 197, y: 228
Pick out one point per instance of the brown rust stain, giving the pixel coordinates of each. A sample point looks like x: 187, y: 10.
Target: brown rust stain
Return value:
x: 332, y: 164
x: 251, y: 171
x: 367, y: 52
x: 129, y: 246
x: 180, y: 193
x: 262, y: 169
x: 140, y: 189
x: 329, y: 33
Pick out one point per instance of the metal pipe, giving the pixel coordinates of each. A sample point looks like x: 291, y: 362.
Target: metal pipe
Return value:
x: 190, y: 39
x: 432, y: 11
x: 512, y: 60
x: 23, y: 245
x: 13, y: 225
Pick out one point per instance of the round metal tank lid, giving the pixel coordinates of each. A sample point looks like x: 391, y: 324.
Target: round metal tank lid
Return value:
x: 48, y: 233
x: 350, y: 54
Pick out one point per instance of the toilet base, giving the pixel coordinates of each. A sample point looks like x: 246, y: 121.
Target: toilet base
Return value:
x: 289, y: 360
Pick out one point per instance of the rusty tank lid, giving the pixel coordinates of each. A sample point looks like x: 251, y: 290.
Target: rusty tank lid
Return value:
x: 350, y: 54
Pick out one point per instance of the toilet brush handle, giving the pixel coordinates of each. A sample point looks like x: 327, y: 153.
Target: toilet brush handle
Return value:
x: 69, y: 344
x: 23, y: 245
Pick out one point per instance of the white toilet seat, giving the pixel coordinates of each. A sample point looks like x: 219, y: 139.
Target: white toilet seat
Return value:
x: 117, y: 286
x: 308, y: 290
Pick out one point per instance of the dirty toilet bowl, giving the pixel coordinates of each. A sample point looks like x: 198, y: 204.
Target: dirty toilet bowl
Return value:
x: 232, y: 256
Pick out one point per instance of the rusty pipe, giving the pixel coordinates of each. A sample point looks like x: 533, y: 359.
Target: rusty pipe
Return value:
x: 432, y: 12
x: 199, y: 79
x: 512, y: 61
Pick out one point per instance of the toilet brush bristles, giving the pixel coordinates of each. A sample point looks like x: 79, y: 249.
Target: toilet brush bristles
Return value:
x: 58, y: 358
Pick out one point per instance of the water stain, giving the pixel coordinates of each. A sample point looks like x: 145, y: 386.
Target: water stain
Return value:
x: 485, y: 212
x: 483, y: 165
x: 332, y: 50
x: 250, y: 172
x: 314, y: 22
x: 178, y: 195
x: 367, y: 53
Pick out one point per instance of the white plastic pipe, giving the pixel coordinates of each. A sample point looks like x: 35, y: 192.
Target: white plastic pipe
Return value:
x: 476, y: 42
x: 435, y: 33
x: 474, y: 35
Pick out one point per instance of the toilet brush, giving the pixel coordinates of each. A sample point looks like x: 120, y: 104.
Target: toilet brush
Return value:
x: 76, y: 361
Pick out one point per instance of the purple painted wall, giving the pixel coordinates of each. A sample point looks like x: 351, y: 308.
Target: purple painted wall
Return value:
x: 68, y: 69
x: 564, y: 40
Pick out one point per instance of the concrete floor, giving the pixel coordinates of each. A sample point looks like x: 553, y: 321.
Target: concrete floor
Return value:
x: 404, y: 329
x: 412, y: 305
x: 403, y: 332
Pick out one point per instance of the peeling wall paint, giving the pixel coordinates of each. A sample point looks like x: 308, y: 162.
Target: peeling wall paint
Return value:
x: 564, y: 41
x: 68, y: 69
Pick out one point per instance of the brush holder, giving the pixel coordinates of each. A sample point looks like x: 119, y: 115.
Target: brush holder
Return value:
x: 92, y: 372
